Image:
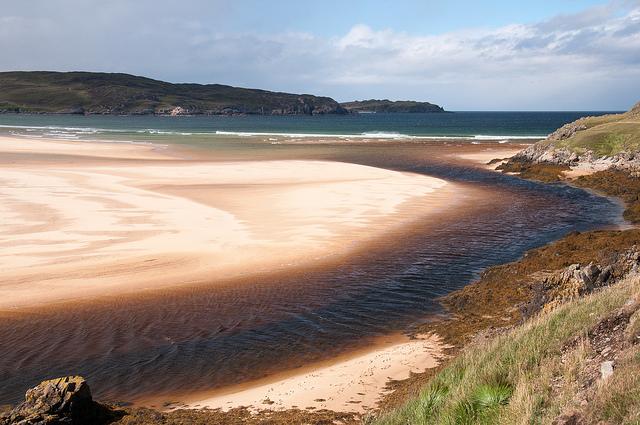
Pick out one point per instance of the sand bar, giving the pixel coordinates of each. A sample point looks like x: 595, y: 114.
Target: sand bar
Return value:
x: 121, y: 218
x: 485, y: 155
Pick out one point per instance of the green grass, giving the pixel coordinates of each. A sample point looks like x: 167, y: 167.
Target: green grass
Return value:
x: 508, y: 380
x: 606, y: 139
x: 606, y: 135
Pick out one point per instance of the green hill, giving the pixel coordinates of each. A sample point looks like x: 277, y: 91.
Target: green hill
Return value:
x: 605, y: 135
x: 388, y: 106
x: 102, y: 93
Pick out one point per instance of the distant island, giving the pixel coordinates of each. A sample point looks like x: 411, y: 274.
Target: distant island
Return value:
x: 389, y: 106
x: 124, y: 94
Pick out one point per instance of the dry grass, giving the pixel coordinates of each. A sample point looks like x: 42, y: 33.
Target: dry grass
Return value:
x: 618, y: 402
x: 529, y: 374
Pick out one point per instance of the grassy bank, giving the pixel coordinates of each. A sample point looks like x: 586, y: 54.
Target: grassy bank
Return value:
x: 538, y: 371
x: 603, y: 135
x: 607, y: 135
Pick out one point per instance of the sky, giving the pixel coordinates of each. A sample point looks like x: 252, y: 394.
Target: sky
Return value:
x: 460, y: 54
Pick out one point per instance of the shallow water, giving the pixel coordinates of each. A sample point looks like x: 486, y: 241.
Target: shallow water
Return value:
x: 205, y: 338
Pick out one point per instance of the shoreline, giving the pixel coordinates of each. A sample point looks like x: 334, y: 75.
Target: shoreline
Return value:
x: 353, y: 382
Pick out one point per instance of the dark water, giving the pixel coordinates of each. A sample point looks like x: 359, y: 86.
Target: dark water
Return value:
x: 206, y: 338
x: 476, y: 125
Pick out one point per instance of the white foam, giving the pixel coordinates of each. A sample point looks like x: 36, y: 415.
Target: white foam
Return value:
x: 81, y: 131
x: 373, y: 135
x: 167, y: 132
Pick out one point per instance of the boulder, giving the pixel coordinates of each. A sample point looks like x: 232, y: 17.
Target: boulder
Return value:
x: 64, y: 400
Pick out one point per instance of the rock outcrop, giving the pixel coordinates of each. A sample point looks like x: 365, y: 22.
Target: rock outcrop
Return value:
x: 576, y: 280
x: 545, y: 153
x: 592, y: 143
x: 64, y: 400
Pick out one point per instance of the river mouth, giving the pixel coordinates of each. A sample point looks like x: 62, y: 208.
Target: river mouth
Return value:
x: 196, y: 339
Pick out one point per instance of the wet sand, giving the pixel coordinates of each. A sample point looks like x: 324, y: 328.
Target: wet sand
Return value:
x: 355, y: 384
x: 94, y: 228
x: 483, y: 155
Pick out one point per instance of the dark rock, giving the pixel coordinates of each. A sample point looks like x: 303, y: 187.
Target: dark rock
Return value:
x: 64, y: 400
x: 604, y: 276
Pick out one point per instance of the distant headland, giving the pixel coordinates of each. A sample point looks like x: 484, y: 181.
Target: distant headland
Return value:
x: 96, y: 93
x: 388, y: 106
x: 123, y: 94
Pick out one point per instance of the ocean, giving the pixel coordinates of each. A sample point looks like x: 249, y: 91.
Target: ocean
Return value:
x: 465, y: 125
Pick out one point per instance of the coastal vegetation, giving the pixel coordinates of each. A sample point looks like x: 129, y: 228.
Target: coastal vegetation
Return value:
x: 124, y: 94
x: 604, y: 135
x: 555, y: 367
x: 618, y: 183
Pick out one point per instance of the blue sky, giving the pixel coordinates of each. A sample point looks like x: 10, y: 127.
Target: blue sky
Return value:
x: 331, y: 18
x: 464, y: 55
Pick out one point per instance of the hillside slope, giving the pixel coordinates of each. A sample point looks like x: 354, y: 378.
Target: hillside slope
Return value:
x: 388, y: 106
x: 589, y: 139
x: 102, y: 93
x: 576, y: 364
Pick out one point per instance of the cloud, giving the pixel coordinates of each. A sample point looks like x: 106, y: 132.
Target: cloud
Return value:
x: 581, y: 61
x: 565, y: 62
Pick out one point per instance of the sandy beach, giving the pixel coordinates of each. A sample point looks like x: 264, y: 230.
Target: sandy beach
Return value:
x: 114, y: 218
x: 354, y: 384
